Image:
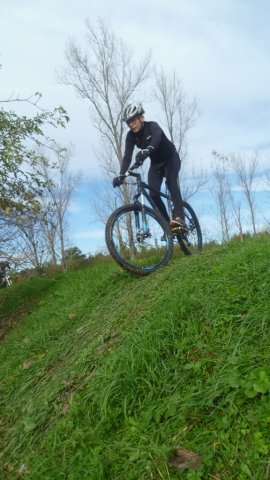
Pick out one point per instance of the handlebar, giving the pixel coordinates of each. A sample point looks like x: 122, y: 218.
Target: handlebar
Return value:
x: 130, y: 171
x: 132, y: 174
x: 134, y: 166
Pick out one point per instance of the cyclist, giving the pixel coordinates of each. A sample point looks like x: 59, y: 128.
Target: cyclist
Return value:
x: 165, y: 161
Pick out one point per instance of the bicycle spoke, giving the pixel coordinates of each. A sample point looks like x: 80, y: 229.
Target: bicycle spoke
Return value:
x: 190, y: 241
x: 139, y: 244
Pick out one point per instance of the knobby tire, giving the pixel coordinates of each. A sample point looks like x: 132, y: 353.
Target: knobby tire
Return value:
x: 150, y: 253
x: 190, y: 242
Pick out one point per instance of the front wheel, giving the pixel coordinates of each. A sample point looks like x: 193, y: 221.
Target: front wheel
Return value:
x: 191, y: 241
x: 139, y: 239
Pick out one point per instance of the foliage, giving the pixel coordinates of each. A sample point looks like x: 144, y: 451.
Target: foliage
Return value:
x: 75, y: 259
x: 19, y: 135
x: 74, y: 253
x: 109, y: 373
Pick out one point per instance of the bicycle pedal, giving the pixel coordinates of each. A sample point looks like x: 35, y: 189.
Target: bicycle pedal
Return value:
x: 178, y: 230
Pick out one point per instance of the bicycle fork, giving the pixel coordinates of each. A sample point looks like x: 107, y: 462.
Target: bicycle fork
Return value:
x: 169, y: 202
x: 142, y: 228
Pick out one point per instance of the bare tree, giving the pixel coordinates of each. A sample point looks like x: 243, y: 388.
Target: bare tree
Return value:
x: 31, y: 245
x: 237, y: 214
x: 107, y: 77
x: 180, y: 113
x: 222, y: 195
x: 22, y: 240
x: 50, y: 231
x: 61, y: 186
x: 246, y: 169
x: 8, y: 238
x: 179, y: 116
x: 193, y: 183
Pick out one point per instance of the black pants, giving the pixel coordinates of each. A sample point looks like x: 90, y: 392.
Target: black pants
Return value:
x: 169, y: 170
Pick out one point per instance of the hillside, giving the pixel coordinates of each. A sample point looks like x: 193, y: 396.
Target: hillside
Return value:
x: 104, y: 375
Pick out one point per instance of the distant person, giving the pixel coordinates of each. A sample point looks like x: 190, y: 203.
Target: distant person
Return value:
x: 165, y: 161
x: 4, y: 264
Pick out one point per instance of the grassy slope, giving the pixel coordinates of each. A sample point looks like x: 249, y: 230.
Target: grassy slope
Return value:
x: 109, y: 372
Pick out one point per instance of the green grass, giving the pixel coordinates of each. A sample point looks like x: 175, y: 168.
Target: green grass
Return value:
x: 15, y: 306
x: 107, y: 373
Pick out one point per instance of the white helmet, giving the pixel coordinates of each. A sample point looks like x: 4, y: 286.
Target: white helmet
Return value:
x: 133, y: 110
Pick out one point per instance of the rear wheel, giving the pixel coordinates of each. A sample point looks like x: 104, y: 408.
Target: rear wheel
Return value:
x: 139, y: 244
x: 191, y: 241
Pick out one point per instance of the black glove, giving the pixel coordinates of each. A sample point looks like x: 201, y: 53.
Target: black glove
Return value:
x: 142, y: 155
x: 117, y: 181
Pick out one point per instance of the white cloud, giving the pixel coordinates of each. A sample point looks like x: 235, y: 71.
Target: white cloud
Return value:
x: 212, y: 46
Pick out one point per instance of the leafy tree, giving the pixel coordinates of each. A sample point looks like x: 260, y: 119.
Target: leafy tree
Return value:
x: 19, y: 136
x: 74, y: 253
x: 74, y: 258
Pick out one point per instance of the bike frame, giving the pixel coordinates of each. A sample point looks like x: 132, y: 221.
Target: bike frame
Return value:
x: 142, y: 193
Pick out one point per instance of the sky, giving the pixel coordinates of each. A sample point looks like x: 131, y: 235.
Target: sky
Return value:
x: 220, y: 50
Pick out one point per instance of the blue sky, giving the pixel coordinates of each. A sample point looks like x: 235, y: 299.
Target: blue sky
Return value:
x: 221, y: 50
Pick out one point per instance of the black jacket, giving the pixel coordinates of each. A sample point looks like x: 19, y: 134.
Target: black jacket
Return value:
x: 150, y: 135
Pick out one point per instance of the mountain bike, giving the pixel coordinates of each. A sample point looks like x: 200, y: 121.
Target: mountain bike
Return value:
x: 140, y: 239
